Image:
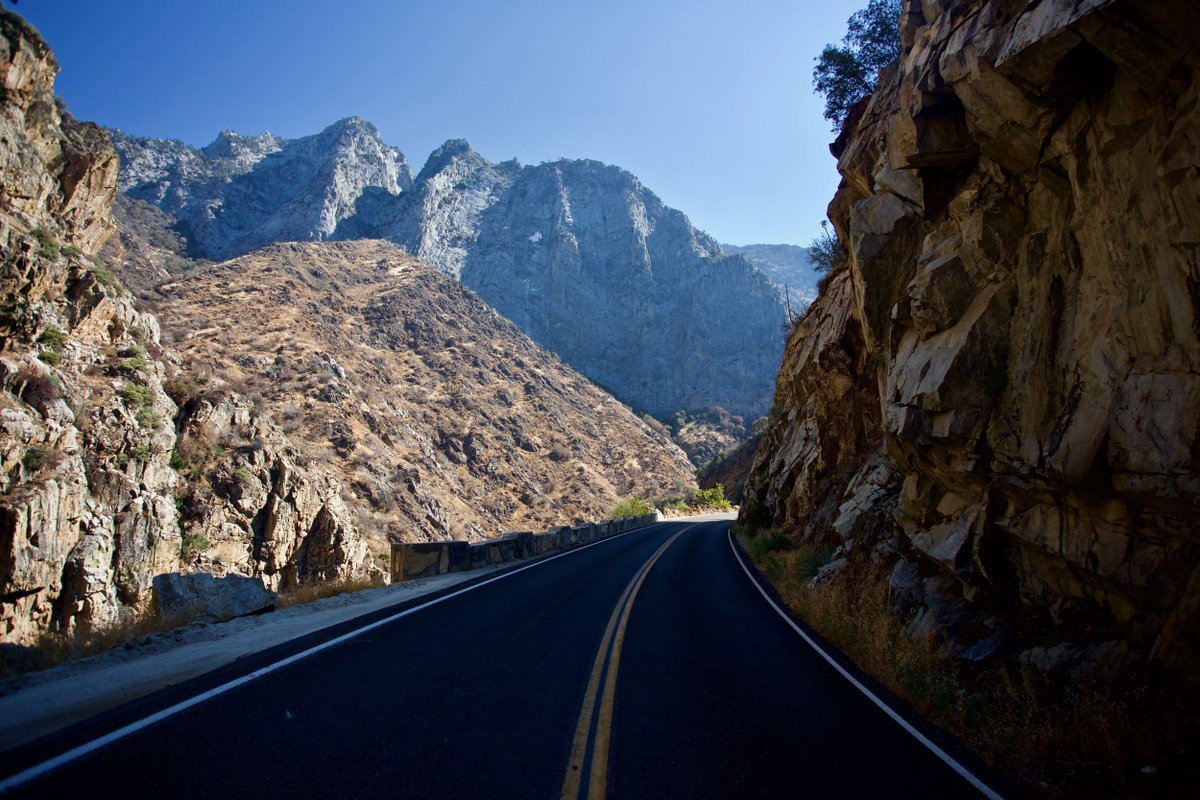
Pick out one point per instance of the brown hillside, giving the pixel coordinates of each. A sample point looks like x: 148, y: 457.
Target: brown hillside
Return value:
x: 438, y: 416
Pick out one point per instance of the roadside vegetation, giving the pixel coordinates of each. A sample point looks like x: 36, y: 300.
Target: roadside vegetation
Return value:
x: 319, y: 590
x: 698, y: 501
x: 1053, y: 738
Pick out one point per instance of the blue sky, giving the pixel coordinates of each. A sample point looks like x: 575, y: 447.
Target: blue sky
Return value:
x: 708, y: 103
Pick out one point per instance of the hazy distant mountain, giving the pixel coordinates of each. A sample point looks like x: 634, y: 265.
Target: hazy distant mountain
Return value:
x: 787, y: 265
x: 579, y: 254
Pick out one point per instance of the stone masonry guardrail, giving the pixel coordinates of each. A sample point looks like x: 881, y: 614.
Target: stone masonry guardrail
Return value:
x: 423, y: 559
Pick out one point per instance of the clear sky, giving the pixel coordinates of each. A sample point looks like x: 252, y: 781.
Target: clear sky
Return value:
x: 709, y: 103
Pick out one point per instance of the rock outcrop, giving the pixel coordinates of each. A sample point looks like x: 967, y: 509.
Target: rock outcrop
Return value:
x: 999, y: 389
x: 243, y: 192
x: 87, y: 517
x: 438, y: 221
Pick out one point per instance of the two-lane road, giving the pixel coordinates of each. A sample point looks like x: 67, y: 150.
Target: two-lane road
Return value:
x: 648, y: 665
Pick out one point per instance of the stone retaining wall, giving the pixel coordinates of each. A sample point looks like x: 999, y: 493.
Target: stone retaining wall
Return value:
x: 423, y: 559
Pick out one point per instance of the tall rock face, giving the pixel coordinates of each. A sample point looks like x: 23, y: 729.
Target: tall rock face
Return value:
x: 86, y: 515
x: 593, y: 266
x: 789, y: 268
x: 1000, y: 389
x: 89, y: 495
x: 240, y: 193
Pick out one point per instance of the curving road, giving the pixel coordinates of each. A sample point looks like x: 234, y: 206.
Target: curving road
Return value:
x: 648, y: 665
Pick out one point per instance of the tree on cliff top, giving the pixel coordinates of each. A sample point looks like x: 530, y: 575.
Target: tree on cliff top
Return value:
x: 847, y: 74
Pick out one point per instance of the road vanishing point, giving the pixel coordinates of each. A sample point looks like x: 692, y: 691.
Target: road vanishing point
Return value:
x: 650, y: 665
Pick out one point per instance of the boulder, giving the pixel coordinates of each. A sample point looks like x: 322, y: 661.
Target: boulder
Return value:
x: 201, y: 597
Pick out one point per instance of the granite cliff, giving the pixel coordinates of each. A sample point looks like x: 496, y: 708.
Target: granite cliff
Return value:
x: 787, y: 266
x: 593, y: 266
x: 998, y: 392
x: 585, y: 260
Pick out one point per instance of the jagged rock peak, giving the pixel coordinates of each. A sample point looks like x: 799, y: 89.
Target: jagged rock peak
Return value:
x: 242, y: 192
x: 232, y: 145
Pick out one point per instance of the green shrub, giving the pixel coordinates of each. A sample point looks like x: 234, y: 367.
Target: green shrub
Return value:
x: 143, y: 452
x: 243, y: 476
x: 134, y: 363
x: 812, y: 558
x: 177, y: 460
x: 147, y: 417
x: 53, y: 338
x: 48, y: 246
x: 630, y: 507
x: 769, y: 542
x: 192, y: 545
x: 50, y: 357
x: 136, y: 395
x: 712, y: 498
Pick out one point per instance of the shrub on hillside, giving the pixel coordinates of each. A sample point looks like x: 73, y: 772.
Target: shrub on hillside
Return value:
x: 630, y: 507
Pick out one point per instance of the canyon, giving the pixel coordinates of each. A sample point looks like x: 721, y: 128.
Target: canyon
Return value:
x: 167, y: 426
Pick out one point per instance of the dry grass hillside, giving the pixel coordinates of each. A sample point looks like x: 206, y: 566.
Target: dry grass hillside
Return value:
x: 438, y: 416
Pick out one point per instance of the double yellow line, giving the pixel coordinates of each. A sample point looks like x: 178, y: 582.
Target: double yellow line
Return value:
x: 608, y: 655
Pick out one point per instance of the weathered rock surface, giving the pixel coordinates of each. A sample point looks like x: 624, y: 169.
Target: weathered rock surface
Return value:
x: 242, y: 192
x: 89, y: 512
x: 438, y: 221
x: 201, y: 597
x: 1000, y: 385
x: 86, y: 517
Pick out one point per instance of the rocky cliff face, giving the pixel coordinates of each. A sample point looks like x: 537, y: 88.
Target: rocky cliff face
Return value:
x: 86, y: 516
x: 579, y: 254
x: 787, y: 266
x: 438, y: 222
x: 90, y: 481
x: 593, y: 266
x: 998, y: 391
x: 240, y: 192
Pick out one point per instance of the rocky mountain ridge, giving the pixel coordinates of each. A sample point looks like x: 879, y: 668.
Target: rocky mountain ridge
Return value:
x: 997, y: 392
x: 243, y: 192
x: 579, y: 254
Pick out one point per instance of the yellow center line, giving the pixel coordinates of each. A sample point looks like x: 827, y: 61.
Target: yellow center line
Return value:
x: 598, y: 777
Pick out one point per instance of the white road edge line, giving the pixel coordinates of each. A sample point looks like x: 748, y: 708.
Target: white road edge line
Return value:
x: 26, y: 775
x: 948, y: 759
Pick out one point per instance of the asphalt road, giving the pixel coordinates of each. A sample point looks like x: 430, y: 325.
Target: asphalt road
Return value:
x: 648, y: 665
